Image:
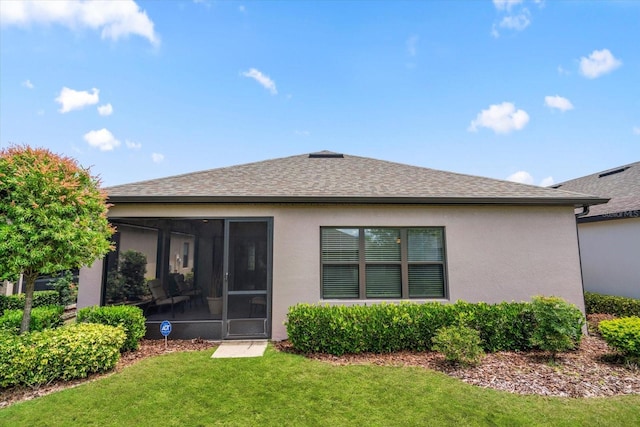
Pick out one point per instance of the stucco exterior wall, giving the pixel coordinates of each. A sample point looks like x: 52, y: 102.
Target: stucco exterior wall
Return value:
x: 610, y: 252
x: 494, y: 253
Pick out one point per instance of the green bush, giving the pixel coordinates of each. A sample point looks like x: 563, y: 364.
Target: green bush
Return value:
x: 382, y: 328
x: 622, y: 334
x: 459, y: 344
x: 16, y: 302
x: 129, y: 317
x: 45, y: 317
x: 557, y: 324
x: 66, y: 288
x: 610, y: 304
x: 66, y: 353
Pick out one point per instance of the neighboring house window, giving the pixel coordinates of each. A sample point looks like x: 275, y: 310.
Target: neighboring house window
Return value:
x: 407, y: 262
x: 185, y: 255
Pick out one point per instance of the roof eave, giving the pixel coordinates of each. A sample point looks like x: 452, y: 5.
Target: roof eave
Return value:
x: 576, y: 202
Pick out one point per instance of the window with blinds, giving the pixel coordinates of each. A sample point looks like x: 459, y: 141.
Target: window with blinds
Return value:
x: 383, y: 263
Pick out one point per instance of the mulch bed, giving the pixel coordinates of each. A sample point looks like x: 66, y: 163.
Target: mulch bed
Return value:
x: 592, y: 370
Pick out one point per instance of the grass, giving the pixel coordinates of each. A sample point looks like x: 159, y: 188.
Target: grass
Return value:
x: 191, y: 389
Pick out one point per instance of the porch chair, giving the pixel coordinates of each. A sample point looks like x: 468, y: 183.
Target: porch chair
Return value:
x: 161, y: 299
x: 185, y: 288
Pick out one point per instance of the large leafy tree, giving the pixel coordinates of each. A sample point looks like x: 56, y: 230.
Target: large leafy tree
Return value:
x: 53, y: 217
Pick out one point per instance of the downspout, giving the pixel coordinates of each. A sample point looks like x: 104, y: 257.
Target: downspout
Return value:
x: 585, y: 211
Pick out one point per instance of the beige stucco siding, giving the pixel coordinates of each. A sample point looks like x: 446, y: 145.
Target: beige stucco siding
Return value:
x: 610, y: 256
x: 494, y: 253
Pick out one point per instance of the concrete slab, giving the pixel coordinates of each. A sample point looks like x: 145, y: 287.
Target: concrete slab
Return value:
x: 229, y: 349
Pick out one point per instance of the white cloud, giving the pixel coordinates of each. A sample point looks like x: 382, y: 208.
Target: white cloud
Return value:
x: 501, y: 118
x: 115, y: 19
x: 27, y: 83
x: 636, y: 130
x: 302, y: 132
x: 505, y: 4
x: 562, y: 71
x: 132, y: 145
x: 562, y: 104
x: 598, y: 63
x: 101, y: 139
x: 242, y: 8
x: 105, y: 110
x: 521, y: 177
x: 70, y: 99
x: 263, y: 79
x: 524, y: 177
x: 412, y: 45
x: 547, y: 182
x: 516, y: 22
x: 157, y: 157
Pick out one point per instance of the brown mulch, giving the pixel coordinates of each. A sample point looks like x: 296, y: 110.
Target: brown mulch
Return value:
x: 593, y: 370
x: 590, y: 371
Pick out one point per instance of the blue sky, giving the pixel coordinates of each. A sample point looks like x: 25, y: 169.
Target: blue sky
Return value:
x: 533, y: 91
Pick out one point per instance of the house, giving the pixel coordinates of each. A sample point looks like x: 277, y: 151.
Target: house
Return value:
x: 249, y: 241
x: 610, y: 233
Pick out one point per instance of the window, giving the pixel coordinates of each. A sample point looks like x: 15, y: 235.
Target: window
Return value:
x: 185, y: 255
x: 360, y: 263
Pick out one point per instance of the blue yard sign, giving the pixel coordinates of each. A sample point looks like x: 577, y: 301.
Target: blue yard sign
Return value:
x: 165, y: 328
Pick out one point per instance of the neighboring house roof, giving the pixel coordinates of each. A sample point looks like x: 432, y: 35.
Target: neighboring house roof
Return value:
x: 621, y: 185
x: 332, y: 177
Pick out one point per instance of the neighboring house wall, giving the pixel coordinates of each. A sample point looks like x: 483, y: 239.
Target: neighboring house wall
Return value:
x: 610, y: 253
x: 493, y: 253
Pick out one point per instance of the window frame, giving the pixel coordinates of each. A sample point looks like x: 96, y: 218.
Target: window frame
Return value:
x: 404, y: 263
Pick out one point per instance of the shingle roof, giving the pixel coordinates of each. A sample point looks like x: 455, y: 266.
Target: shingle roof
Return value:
x: 621, y: 185
x: 332, y: 177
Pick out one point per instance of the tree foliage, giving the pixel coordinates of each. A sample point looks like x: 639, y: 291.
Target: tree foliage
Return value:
x: 53, y: 216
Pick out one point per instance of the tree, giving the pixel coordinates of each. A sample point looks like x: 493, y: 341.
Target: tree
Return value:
x: 53, y: 217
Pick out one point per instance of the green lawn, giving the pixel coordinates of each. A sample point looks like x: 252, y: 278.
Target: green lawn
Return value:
x: 191, y: 389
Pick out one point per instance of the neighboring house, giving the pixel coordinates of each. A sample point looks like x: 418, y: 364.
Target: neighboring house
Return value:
x: 338, y: 229
x: 610, y: 233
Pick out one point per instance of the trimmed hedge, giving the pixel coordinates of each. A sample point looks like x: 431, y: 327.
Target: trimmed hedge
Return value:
x: 384, y: 328
x: 46, y: 317
x: 610, y: 304
x: 129, y: 317
x: 66, y: 353
x: 40, y: 299
x: 622, y: 334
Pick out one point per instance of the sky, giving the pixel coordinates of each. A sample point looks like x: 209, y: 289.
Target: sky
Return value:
x: 533, y: 91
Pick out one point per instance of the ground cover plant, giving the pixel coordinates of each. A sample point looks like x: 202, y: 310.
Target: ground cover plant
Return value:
x: 287, y: 389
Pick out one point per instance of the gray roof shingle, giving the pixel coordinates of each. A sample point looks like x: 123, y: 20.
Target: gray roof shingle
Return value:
x: 331, y: 177
x: 621, y: 185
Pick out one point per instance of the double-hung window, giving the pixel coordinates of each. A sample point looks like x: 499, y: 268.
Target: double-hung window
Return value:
x: 382, y: 262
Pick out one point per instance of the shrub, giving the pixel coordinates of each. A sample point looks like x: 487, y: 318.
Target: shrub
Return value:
x: 129, y: 317
x: 384, y: 328
x: 66, y: 288
x: 75, y: 351
x: 557, y: 324
x: 133, y: 267
x: 16, y: 302
x: 459, y: 344
x: 622, y: 334
x: 610, y: 304
x: 45, y: 317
